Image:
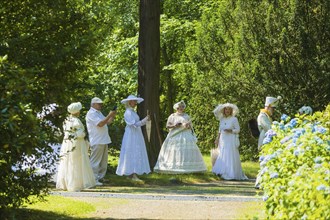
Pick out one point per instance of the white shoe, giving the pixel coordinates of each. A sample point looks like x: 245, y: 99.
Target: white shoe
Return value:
x: 98, y: 183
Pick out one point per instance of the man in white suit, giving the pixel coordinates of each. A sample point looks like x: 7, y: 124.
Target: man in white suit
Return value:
x: 265, y: 123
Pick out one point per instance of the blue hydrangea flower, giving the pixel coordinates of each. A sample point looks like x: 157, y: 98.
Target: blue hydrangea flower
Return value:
x: 270, y: 133
x: 265, y: 198
x: 321, y: 188
x: 264, y: 170
x: 284, y: 117
x: 285, y: 139
x: 293, y: 122
x: 274, y: 175
x: 320, y: 129
x: 267, y: 140
x: 261, y: 158
x: 318, y: 159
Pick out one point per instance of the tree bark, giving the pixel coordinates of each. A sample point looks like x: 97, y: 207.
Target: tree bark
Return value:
x: 149, y: 72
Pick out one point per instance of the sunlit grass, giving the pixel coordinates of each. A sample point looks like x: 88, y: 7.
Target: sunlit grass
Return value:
x: 63, y: 205
x: 208, y: 184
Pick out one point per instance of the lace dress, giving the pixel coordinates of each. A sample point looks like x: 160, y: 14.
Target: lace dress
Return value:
x: 179, y: 152
x: 74, y: 171
x: 228, y: 163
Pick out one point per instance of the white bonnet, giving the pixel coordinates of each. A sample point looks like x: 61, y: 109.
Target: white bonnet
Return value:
x: 181, y: 103
x: 218, y: 111
x: 305, y: 110
x: 272, y: 101
x: 74, y: 107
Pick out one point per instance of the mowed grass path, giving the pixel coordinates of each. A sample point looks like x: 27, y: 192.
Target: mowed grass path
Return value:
x: 204, y: 184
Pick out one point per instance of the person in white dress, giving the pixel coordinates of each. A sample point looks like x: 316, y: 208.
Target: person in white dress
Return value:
x: 179, y: 153
x: 133, y: 158
x: 228, y: 163
x: 74, y: 171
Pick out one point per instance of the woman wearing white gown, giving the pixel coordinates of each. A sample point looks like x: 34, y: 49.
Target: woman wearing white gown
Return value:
x: 133, y: 157
x: 180, y: 153
x: 228, y: 164
x: 74, y: 172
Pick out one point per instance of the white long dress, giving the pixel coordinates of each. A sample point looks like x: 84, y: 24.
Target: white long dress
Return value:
x: 228, y: 163
x: 179, y: 152
x: 74, y: 171
x: 133, y: 154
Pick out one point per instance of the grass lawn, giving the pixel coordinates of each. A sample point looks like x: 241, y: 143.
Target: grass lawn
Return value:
x: 58, y: 207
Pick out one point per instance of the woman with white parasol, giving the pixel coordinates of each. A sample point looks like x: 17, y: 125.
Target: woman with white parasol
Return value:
x: 133, y: 159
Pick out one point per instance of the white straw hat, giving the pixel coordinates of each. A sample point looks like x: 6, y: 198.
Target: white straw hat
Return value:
x: 181, y: 103
x: 219, y: 110
x: 132, y: 97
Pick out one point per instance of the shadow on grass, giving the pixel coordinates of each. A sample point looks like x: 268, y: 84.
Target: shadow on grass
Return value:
x: 185, y: 184
x: 31, y: 214
x: 181, y: 184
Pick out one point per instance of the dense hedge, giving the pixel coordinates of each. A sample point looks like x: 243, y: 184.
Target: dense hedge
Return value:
x: 295, y: 167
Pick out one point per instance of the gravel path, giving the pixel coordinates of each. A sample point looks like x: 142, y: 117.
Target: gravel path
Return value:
x: 158, y: 196
x: 158, y: 206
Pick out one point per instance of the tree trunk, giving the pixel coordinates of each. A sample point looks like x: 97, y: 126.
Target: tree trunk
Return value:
x: 149, y: 72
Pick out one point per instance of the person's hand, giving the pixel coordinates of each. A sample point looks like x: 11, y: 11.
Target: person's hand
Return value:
x: 178, y: 125
x: 112, y: 113
x: 187, y: 125
x: 228, y: 130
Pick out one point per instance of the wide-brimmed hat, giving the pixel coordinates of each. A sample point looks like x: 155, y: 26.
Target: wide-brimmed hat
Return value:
x: 74, y: 107
x: 181, y: 103
x: 272, y: 101
x: 219, y: 110
x: 96, y: 100
x: 132, y: 97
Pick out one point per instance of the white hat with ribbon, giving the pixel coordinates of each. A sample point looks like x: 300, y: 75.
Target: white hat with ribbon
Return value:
x: 132, y: 97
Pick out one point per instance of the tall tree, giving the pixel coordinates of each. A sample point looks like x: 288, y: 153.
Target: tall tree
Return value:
x: 149, y: 68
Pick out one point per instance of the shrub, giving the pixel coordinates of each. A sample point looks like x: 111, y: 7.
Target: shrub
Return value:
x: 295, y: 167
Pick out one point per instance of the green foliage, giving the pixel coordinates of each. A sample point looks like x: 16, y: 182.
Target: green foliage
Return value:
x: 295, y: 166
x: 22, y: 134
x: 45, y: 47
x: 245, y: 51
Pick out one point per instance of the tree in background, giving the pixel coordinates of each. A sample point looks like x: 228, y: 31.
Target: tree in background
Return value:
x: 148, y: 74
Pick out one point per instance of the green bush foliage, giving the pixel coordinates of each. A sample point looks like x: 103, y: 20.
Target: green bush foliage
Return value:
x: 295, y: 167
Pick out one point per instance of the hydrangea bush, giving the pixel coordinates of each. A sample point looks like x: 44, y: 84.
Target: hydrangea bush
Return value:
x: 295, y: 167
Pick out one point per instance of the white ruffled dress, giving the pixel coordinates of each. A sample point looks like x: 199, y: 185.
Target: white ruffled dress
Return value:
x: 179, y: 153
